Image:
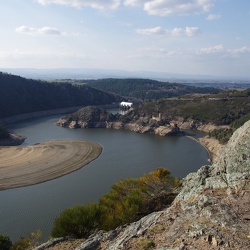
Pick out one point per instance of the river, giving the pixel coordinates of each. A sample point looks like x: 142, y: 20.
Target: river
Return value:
x: 125, y: 154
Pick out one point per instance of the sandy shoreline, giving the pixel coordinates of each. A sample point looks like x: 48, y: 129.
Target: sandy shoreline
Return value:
x: 28, y: 165
x: 212, y: 146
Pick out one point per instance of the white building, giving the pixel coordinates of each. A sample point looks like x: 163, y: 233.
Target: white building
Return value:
x: 126, y: 104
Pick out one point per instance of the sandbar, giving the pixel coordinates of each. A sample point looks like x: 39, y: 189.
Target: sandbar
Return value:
x: 28, y: 165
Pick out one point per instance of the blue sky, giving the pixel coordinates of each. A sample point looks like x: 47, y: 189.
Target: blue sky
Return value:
x: 204, y: 37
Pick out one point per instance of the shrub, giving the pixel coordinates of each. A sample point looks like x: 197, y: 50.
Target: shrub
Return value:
x: 127, y: 201
x: 78, y: 221
x: 5, y: 242
x: 27, y: 243
x: 121, y: 204
x: 145, y: 243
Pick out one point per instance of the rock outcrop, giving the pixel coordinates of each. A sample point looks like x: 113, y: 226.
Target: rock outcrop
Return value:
x: 93, y: 117
x: 12, y: 140
x: 212, y: 211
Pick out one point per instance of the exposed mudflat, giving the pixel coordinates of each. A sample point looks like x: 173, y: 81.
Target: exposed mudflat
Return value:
x: 27, y: 165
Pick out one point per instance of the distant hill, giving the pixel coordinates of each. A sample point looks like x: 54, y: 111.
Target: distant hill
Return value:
x: 98, y: 73
x: 19, y: 95
x: 146, y: 89
x: 219, y: 109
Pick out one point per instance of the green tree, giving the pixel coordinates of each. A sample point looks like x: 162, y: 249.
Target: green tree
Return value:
x: 131, y: 197
x: 3, y: 132
x: 5, y: 242
x: 78, y: 221
x: 121, y: 204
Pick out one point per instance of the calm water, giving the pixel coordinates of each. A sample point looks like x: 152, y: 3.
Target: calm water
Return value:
x: 125, y: 154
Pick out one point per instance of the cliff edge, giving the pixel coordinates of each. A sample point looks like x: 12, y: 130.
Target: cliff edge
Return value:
x: 212, y: 211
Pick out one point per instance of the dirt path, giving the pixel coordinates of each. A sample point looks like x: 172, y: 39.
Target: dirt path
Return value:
x: 27, y: 165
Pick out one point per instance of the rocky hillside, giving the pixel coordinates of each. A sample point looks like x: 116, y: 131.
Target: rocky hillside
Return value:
x: 93, y: 117
x: 212, y: 211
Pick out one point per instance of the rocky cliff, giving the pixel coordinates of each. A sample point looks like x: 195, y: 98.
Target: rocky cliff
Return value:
x: 12, y: 140
x: 212, y: 211
x: 93, y: 117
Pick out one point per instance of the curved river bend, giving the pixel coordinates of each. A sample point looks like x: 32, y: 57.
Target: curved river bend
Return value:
x: 125, y: 154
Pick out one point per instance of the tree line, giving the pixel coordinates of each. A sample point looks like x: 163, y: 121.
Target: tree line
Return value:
x: 145, y: 89
x: 20, y: 95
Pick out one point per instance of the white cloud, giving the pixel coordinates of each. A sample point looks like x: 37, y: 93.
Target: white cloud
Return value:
x: 240, y: 51
x: 211, y: 50
x: 152, y: 31
x: 42, y: 31
x: 96, y: 4
x: 37, y: 58
x: 225, y: 52
x: 156, y: 53
x: 152, y: 7
x: 134, y: 2
x: 188, y: 31
x: 177, y: 7
x: 211, y: 17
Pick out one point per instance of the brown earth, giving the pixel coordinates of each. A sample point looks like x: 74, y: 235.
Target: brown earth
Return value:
x: 212, y: 145
x: 27, y: 165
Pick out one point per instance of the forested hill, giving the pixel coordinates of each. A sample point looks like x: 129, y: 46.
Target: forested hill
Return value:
x: 220, y: 109
x: 146, y: 89
x: 19, y: 95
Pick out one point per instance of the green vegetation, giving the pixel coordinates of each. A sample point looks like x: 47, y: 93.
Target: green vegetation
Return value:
x: 20, y: 95
x: 22, y: 244
x: 223, y: 135
x: 146, y: 89
x: 5, y: 242
x: 79, y: 221
x: 27, y: 243
x: 238, y: 123
x: 145, y: 243
x: 3, y: 132
x: 218, y: 109
x: 127, y: 201
x: 230, y: 108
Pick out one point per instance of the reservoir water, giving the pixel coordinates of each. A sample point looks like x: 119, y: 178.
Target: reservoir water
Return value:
x: 125, y: 154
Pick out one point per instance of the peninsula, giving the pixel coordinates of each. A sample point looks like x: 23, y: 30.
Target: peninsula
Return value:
x: 27, y: 165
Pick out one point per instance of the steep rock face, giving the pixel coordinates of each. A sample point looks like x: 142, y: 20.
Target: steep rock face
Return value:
x: 212, y: 211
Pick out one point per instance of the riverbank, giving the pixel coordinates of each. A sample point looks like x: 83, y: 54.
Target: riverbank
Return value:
x: 28, y: 165
x: 21, y: 117
x: 210, y: 144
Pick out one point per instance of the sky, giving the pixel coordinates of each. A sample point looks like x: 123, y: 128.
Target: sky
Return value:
x: 201, y: 37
